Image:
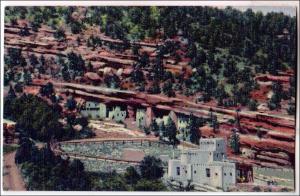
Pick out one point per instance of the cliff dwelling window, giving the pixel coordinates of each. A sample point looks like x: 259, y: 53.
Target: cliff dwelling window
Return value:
x: 216, y: 174
x: 195, y: 171
x: 178, y: 171
x: 207, y: 172
x: 224, y: 174
x: 230, y: 174
x: 218, y: 144
x: 186, y: 171
x: 217, y: 155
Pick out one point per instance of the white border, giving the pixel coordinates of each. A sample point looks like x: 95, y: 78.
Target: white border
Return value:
x: 148, y: 3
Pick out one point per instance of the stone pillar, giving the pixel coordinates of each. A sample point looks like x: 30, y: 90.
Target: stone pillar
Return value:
x: 173, y: 116
x: 149, y: 116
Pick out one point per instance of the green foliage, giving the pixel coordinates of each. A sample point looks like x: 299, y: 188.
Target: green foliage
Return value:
x: 151, y: 168
x: 154, y: 127
x: 35, y: 118
x: 9, y: 148
x: 94, y: 42
x: 45, y: 171
x: 193, y: 129
x: 252, y: 105
x: 168, y: 89
x: 24, y: 31
x: 71, y: 103
x: 33, y: 60
x: 47, y: 90
x: 76, y: 27
x: 15, y: 58
x: 234, y: 142
x: 291, y: 108
x: 114, y: 182
x: 149, y: 185
x: 112, y: 81
x: 60, y: 34
x: 131, y: 175
x: 155, y: 88
x: 171, y: 130
x: 76, y: 64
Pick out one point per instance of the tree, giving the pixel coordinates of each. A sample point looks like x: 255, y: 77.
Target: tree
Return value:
x: 144, y: 60
x: 15, y: 58
x: 112, y: 81
x: 215, y: 123
x: 47, y: 89
x: 234, y: 141
x: 157, y: 70
x: 76, y: 63
x: 252, y: 105
x: 154, y: 127
x: 193, y: 128
x: 171, y: 131
x: 155, y: 88
x: 33, y: 60
x: 76, y: 27
x: 25, y: 151
x: 83, y: 121
x: 150, y: 185
x: 35, y: 26
x: 168, y: 89
x: 114, y: 182
x: 291, y: 110
x: 151, y: 168
x: 59, y: 34
x: 237, y: 118
x: 71, y: 103
x: 42, y: 60
x: 19, y: 87
x: 11, y: 93
x: 24, y: 32
x: 137, y: 75
x: 274, y: 102
x: 131, y: 175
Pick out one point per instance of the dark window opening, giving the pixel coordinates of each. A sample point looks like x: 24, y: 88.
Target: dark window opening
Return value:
x: 207, y: 172
x: 178, y: 171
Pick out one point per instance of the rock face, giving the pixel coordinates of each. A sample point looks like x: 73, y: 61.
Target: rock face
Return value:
x: 92, y: 76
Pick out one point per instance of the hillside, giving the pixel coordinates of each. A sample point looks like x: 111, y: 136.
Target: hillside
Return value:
x: 184, y: 59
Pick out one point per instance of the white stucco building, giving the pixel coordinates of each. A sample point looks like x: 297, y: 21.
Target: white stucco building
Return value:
x: 206, y: 165
x: 94, y: 110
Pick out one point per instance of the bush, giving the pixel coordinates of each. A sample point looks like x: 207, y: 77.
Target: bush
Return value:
x: 149, y: 185
x: 60, y: 34
x: 151, y: 168
x: 256, y: 189
x: 252, y: 105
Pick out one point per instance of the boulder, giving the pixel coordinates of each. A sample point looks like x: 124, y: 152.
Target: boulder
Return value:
x: 92, y: 76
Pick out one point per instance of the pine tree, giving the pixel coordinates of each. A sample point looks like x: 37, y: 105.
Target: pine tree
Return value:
x: 234, y: 141
x: 171, y: 131
x: 27, y: 78
x: 193, y: 128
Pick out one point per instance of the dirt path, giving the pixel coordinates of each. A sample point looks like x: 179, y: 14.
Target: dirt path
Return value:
x: 13, y: 180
